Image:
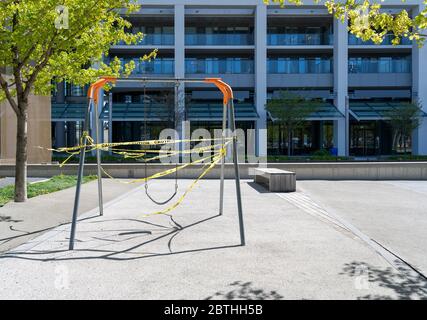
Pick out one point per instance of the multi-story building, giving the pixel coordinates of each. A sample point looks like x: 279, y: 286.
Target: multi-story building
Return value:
x: 259, y: 50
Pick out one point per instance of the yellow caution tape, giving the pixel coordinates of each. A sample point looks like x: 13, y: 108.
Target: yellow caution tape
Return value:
x: 219, y: 151
x: 215, y: 161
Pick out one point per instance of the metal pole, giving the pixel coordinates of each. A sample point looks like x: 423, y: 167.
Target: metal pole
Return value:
x: 79, y: 178
x: 347, y: 128
x: 236, y: 172
x: 98, y: 159
x: 223, y: 133
x: 110, y: 119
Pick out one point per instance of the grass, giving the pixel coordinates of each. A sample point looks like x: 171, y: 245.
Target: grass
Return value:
x: 104, y: 158
x: 54, y: 184
x: 407, y: 157
x: 281, y: 158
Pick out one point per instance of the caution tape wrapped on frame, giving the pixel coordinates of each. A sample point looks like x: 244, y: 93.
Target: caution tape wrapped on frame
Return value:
x: 219, y: 150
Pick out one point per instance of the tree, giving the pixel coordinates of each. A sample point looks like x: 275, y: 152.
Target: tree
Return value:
x: 404, y: 119
x: 41, y: 41
x: 366, y: 21
x: 291, y: 111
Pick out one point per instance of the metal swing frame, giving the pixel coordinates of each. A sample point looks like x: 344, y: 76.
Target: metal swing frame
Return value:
x: 228, y: 116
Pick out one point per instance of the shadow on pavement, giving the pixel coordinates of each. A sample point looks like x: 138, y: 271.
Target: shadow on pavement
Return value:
x: 258, y: 187
x: 176, y: 229
x: 28, y: 233
x: 245, y: 291
x: 405, y: 283
x: 8, y: 219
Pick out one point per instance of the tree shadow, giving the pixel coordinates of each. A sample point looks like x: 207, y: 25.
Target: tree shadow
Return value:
x: 245, y: 291
x: 404, y: 282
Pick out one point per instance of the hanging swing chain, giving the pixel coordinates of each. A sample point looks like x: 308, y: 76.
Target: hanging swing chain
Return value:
x: 146, y: 160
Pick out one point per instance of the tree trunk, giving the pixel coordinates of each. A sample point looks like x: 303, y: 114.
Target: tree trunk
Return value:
x: 21, y: 154
x: 289, y: 143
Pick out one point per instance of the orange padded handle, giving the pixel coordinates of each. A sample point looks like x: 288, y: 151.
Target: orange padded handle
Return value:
x: 97, y: 85
x: 224, y: 87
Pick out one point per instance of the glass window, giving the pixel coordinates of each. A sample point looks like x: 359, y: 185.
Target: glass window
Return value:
x: 379, y: 64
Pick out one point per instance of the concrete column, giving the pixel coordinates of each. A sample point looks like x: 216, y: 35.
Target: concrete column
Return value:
x: 110, y: 117
x: 419, y: 92
x: 59, y: 134
x: 340, y: 83
x: 60, y: 92
x: 261, y: 78
x: 179, y: 29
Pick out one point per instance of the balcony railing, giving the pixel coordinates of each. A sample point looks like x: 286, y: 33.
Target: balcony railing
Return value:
x: 161, y: 39
x: 71, y: 90
x: 219, y: 39
x: 219, y: 66
x: 299, y: 39
x: 156, y: 66
x: 379, y: 65
x: 299, y: 65
x: 353, y: 40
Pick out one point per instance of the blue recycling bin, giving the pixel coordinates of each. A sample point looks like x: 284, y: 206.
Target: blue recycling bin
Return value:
x: 334, y: 151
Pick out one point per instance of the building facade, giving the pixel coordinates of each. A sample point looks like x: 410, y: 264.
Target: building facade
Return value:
x: 260, y: 51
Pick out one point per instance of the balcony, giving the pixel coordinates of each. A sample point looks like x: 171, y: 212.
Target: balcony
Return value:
x: 219, y: 66
x: 375, y: 71
x: 299, y: 39
x: 157, y: 66
x: 379, y: 65
x: 223, y: 39
x: 353, y: 40
x: 295, y: 65
x: 162, y: 39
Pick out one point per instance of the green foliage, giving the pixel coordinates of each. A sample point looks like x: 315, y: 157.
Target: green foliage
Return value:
x: 321, y: 153
x: 312, y: 158
x: 366, y: 21
x: 404, y: 120
x: 38, y: 48
x: 54, y: 184
x: 290, y: 109
x: 407, y: 157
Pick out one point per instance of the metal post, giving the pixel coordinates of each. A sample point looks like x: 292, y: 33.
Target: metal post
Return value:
x: 232, y: 122
x: 79, y: 178
x: 347, y: 127
x: 110, y: 119
x: 223, y: 133
x: 98, y: 159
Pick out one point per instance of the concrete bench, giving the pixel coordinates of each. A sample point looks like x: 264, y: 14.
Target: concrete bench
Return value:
x: 276, y: 180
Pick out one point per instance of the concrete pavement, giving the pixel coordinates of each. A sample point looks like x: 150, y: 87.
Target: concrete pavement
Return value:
x: 6, y: 181
x: 195, y: 254
x: 20, y: 222
x: 391, y: 213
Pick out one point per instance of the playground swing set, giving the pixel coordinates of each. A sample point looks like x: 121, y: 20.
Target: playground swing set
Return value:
x: 89, y: 144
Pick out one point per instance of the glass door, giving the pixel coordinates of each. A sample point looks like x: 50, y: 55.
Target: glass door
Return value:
x: 363, y: 139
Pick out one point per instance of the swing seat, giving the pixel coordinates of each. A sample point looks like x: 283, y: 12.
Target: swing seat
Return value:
x: 161, y: 202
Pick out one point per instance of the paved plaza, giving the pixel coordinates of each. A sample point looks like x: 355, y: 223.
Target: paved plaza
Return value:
x: 329, y: 240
